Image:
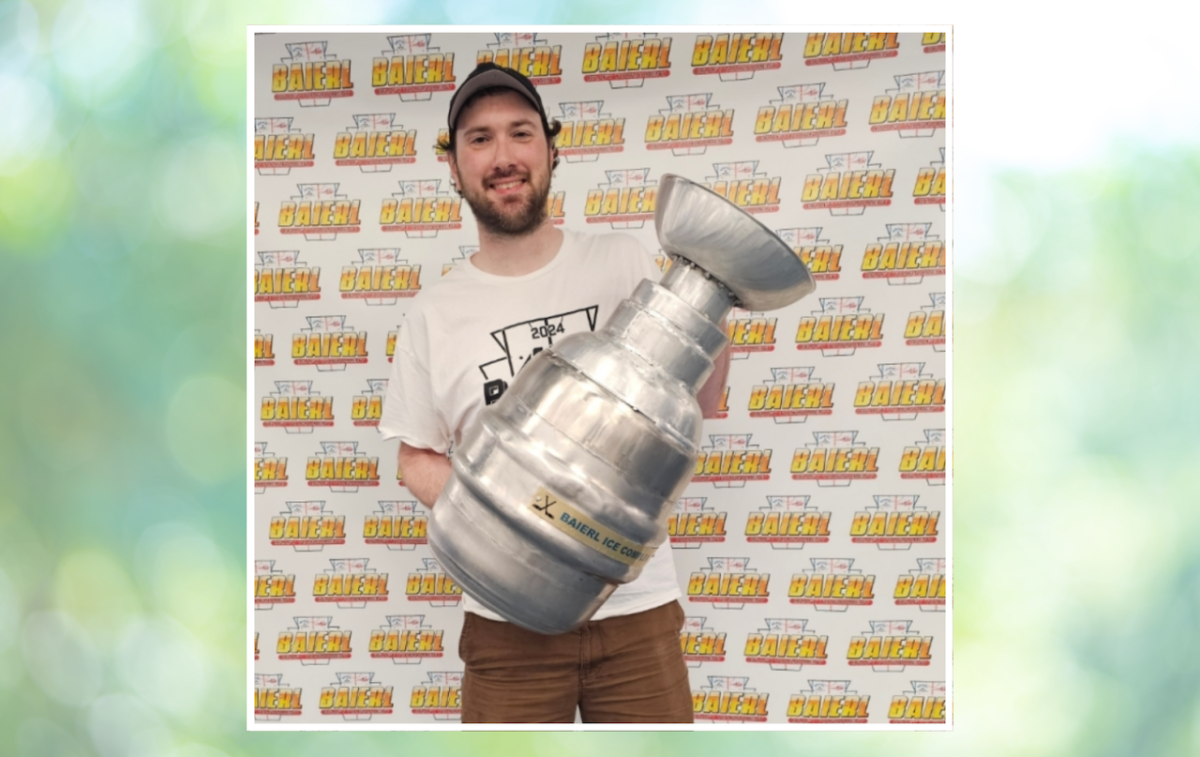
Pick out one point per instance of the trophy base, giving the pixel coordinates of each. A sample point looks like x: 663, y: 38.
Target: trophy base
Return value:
x: 555, y: 597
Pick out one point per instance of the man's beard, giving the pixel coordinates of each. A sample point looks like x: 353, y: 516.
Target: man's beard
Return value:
x: 524, y: 220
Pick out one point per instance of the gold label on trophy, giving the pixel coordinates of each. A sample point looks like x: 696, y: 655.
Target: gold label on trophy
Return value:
x: 566, y: 518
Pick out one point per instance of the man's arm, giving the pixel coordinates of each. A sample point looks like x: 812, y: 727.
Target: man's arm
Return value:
x: 425, y: 472
x: 709, y: 395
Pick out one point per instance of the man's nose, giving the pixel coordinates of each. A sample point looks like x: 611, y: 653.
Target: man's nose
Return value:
x: 503, y: 157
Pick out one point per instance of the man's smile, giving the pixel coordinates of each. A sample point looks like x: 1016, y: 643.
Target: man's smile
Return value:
x: 503, y: 186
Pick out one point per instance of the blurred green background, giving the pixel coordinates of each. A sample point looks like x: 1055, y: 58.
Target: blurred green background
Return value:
x: 123, y: 390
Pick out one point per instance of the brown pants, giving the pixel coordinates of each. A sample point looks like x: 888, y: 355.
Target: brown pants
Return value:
x: 627, y: 669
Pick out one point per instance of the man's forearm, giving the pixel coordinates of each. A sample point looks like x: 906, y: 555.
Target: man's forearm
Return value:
x: 425, y: 472
x: 709, y: 395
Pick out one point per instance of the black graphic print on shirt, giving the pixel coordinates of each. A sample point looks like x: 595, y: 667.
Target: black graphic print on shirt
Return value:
x: 521, y: 341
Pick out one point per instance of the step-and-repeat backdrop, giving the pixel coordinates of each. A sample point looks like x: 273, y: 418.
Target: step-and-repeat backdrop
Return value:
x: 811, y: 544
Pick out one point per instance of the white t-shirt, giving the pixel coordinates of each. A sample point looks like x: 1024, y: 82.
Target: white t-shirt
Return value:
x: 468, y: 334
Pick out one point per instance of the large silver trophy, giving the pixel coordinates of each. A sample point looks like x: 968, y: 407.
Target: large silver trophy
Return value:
x: 561, y: 490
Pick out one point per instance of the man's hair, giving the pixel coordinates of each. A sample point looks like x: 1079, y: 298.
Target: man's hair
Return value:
x: 551, y: 128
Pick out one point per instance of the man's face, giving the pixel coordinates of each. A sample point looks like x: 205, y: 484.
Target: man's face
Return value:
x: 501, y: 163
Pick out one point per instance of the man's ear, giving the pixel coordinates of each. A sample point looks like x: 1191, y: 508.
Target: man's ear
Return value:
x: 453, y: 172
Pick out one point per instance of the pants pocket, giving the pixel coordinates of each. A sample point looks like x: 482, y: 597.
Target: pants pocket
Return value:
x: 678, y: 615
x: 466, y: 638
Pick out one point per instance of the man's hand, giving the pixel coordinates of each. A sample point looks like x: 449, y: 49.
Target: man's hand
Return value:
x: 709, y: 395
x: 425, y: 472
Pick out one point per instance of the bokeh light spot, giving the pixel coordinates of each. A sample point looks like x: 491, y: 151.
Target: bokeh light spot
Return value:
x: 217, y: 33
x: 118, y: 722
x: 185, y: 573
x: 33, y: 202
x: 165, y: 665
x: 92, y: 586
x: 96, y: 45
x: 19, y: 34
x: 28, y: 110
x: 222, y: 90
x: 199, y: 188
x: 60, y: 657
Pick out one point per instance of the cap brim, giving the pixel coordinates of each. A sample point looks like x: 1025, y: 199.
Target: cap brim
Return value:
x: 483, y: 81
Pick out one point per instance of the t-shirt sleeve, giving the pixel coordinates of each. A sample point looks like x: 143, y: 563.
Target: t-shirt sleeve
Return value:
x: 409, y: 412
x: 641, y: 264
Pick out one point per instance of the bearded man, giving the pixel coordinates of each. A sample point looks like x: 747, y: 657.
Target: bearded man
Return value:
x: 462, y: 342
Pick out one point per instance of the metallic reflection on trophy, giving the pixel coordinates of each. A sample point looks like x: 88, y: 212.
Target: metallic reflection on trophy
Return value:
x: 562, y: 489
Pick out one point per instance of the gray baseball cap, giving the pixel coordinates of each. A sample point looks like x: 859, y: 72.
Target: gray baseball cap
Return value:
x: 490, y: 75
